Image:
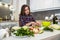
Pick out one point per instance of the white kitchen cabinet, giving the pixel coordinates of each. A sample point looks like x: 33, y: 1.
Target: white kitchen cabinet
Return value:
x: 5, y: 1
x: 42, y: 5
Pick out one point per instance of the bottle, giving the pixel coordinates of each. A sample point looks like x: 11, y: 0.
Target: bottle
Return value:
x: 55, y: 20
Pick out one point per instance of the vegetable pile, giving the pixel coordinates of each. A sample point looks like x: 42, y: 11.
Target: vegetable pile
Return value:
x: 23, y: 31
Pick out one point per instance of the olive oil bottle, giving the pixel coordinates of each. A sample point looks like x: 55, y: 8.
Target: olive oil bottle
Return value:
x: 55, y: 20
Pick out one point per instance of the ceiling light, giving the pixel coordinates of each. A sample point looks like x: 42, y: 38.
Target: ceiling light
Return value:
x: 0, y: 4
x: 6, y: 5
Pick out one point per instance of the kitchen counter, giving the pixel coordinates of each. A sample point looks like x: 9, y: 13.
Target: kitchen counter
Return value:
x: 6, y: 24
x: 55, y: 35
x: 47, y: 35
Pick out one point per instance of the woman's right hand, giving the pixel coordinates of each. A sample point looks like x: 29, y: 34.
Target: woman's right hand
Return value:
x: 32, y: 22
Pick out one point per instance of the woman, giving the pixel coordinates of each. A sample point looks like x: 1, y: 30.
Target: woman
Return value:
x: 25, y: 18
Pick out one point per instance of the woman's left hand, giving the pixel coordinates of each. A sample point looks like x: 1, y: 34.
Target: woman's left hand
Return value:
x: 38, y: 23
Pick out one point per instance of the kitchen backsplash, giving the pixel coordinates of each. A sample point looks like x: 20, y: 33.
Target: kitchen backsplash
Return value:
x: 40, y: 15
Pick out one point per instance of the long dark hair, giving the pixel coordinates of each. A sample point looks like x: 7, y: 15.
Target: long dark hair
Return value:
x: 23, y: 10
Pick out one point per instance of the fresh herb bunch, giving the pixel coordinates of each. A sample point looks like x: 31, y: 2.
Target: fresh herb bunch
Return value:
x: 48, y: 29
x: 24, y: 32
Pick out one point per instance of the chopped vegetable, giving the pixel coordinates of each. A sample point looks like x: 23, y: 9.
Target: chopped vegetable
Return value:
x: 48, y: 29
x: 55, y: 26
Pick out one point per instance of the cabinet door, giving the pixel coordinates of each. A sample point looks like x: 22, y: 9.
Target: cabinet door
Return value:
x: 41, y: 5
x: 5, y: 1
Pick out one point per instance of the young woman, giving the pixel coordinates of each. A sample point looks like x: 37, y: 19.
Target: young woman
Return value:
x: 25, y: 17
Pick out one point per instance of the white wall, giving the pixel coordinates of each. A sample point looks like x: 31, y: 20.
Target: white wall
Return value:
x: 17, y: 6
x: 41, y: 5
